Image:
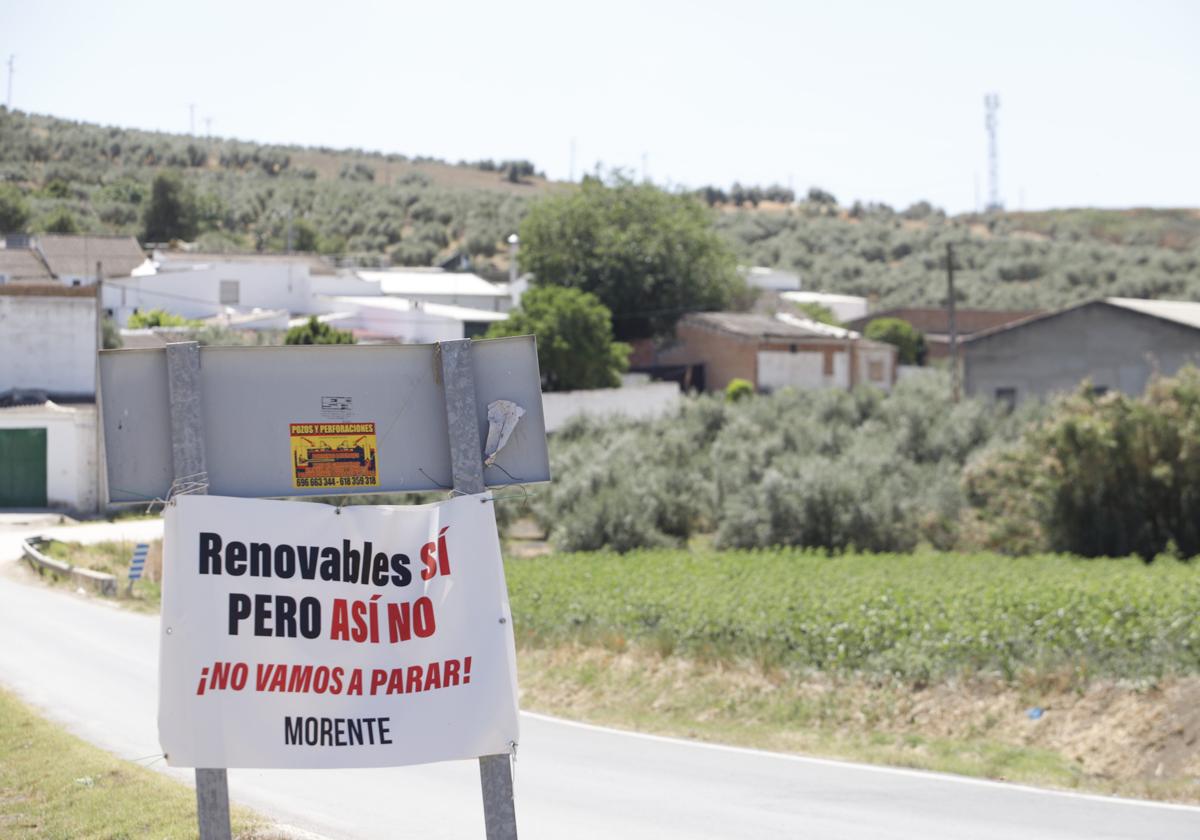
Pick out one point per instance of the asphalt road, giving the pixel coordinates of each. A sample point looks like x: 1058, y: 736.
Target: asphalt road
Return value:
x: 93, y: 667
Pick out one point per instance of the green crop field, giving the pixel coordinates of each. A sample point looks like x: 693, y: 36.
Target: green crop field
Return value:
x: 915, y: 616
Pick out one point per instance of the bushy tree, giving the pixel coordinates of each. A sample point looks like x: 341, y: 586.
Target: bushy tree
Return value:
x: 648, y: 255
x: 1102, y: 475
x: 316, y: 332
x: 171, y: 213
x: 14, y: 209
x: 816, y: 195
x: 908, y: 339
x: 574, y: 333
x: 59, y: 221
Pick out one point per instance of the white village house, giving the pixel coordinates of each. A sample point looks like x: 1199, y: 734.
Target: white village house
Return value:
x: 48, y: 435
x: 273, y: 292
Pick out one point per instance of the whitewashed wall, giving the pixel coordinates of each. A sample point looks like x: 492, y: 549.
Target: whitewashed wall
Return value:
x: 642, y: 402
x: 48, y: 343
x: 71, y: 472
x: 196, y: 292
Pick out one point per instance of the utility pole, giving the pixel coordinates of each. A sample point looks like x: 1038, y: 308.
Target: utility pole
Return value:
x: 571, y: 177
x: 514, y: 242
x: 11, y: 60
x: 954, y: 366
x: 101, y: 487
x: 208, y: 127
x: 991, y: 104
x: 192, y: 119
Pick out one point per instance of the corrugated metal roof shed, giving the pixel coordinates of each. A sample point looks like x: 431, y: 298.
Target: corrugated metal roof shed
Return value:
x: 1184, y: 312
x: 176, y: 259
x: 445, y: 310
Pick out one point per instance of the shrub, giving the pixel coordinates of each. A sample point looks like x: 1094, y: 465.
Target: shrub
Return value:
x: 316, y: 332
x: 158, y: 318
x: 829, y: 469
x: 738, y: 389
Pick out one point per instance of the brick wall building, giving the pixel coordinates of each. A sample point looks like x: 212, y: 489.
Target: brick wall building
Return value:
x: 773, y: 353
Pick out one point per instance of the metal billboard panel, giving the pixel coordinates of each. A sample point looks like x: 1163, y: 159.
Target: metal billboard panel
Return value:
x: 252, y: 396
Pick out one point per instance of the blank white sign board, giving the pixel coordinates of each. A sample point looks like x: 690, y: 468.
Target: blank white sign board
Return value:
x: 252, y: 396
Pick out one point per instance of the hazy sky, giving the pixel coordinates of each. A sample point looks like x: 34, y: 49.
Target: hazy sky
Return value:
x: 883, y: 101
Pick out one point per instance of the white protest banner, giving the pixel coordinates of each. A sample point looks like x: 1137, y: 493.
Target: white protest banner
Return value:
x: 303, y: 635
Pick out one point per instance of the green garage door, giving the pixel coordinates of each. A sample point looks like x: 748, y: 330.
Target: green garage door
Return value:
x: 22, y: 468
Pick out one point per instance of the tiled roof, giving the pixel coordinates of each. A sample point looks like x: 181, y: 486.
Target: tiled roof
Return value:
x: 20, y: 265
x: 77, y: 255
x: 750, y: 325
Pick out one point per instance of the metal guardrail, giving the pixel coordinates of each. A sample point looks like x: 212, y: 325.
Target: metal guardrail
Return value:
x: 102, y: 582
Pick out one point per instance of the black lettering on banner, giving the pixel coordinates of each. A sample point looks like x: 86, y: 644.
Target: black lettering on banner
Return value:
x: 239, y: 608
x: 336, y: 732
x: 210, y: 553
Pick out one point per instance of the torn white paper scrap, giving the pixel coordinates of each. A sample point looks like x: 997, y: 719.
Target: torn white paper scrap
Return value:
x: 502, y: 419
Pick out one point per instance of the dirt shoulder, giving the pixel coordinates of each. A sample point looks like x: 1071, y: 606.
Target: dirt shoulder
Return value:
x: 1127, y: 738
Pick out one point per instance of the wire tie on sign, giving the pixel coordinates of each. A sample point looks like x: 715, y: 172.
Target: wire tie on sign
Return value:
x: 155, y: 756
x: 187, y: 485
x: 524, y: 496
x: 421, y: 470
x: 506, y: 472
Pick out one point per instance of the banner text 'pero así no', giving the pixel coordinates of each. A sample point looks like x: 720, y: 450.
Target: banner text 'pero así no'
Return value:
x: 298, y: 635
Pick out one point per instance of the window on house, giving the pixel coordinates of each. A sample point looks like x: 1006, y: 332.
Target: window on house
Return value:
x: 230, y: 292
x: 875, y: 370
x: 1007, y: 397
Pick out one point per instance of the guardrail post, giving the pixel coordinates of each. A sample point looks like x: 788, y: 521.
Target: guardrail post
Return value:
x: 466, y: 463
x: 188, y: 465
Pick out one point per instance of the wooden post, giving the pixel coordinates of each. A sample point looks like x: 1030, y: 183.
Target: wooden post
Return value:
x: 466, y: 463
x: 188, y: 463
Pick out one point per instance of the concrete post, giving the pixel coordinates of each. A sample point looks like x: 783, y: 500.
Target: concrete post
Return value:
x: 188, y: 462
x: 466, y: 464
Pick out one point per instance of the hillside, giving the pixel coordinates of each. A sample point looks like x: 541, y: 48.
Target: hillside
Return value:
x: 377, y: 207
x: 391, y: 209
x: 1006, y: 260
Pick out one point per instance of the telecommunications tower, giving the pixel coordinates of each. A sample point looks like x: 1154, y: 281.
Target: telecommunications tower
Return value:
x: 991, y: 104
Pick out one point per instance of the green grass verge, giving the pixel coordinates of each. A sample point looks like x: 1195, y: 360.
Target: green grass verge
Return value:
x: 918, y: 617
x: 53, y: 785
x: 112, y: 558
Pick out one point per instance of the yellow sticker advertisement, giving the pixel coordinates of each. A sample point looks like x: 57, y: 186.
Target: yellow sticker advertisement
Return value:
x: 334, y: 455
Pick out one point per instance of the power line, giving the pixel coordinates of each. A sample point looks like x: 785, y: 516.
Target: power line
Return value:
x: 11, y: 60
